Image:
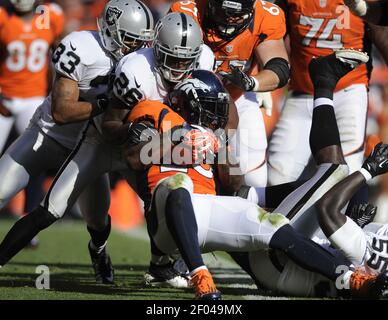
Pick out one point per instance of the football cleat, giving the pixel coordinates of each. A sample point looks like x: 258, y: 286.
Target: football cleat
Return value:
x: 377, y: 162
x: 326, y: 71
x: 102, y: 265
x: 204, y: 286
x: 365, y: 286
x: 164, y: 276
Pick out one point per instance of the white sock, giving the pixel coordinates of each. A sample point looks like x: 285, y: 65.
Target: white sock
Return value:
x: 323, y: 101
x: 350, y: 239
x: 197, y: 269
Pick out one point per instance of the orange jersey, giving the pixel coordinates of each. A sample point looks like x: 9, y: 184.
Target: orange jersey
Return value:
x: 268, y: 24
x: 163, y: 118
x: 317, y: 28
x: 24, y: 49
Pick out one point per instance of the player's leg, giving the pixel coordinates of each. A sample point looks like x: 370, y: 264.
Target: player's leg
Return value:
x: 98, y: 221
x: 26, y: 109
x: 250, y: 141
x: 288, y: 151
x: 6, y: 124
x: 172, y: 225
x: 30, y: 155
x: 86, y: 161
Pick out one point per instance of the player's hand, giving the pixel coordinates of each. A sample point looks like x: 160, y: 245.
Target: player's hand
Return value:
x: 202, y: 141
x: 240, y: 79
x: 140, y: 132
x: 377, y: 162
x: 267, y: 102
x: 100, y: 105
x: 363, y: 214
x: 358, y: 7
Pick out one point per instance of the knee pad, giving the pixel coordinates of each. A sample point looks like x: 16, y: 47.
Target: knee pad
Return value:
x: 179, y: 180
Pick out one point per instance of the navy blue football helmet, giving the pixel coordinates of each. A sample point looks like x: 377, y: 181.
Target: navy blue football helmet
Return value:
x: 228, y: 18
x: 201, y: 99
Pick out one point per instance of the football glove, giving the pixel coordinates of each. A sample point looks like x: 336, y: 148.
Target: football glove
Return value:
x: 363, y: 214
x: 140, y: 132
x: 377, y: 162
x: 241, y: 79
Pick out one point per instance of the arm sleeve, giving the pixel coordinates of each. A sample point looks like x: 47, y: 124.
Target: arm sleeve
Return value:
x: 66, y: 60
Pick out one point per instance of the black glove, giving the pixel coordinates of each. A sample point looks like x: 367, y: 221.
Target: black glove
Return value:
x: 377, y: 162
x: 100, y: 106
x: 140, y: 132
x: 240, y: 79
x: 363, y: 214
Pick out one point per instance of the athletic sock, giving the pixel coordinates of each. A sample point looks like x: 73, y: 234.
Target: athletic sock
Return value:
x: 324, y: 128
x: 99, y: 238
x: 183, y: 227
x: 23, y: 231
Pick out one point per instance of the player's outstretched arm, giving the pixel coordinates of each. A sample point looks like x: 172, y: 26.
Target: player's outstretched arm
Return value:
x: 65, y: 105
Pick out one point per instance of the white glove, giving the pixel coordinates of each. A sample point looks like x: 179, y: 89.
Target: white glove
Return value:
x: 267, y: 103
x: 358, y: 7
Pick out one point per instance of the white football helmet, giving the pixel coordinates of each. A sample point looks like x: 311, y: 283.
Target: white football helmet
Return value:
x: 23, y: 5
x: 125, y: 26
x: 177, y: 46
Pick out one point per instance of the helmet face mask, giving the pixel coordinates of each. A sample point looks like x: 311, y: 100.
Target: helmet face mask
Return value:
x: 201, y: 99
x: 23, y: 6
x: 124, y: 29
x: 176, y: 64
x: 229, y: 18
x: 177, y: 46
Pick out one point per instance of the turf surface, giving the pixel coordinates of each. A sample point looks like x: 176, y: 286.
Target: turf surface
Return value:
x: 63, y: 248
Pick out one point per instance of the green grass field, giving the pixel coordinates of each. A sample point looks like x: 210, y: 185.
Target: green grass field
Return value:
x: 63, y: 248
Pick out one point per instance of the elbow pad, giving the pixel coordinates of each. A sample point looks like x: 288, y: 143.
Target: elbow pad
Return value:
x: 282, y: 69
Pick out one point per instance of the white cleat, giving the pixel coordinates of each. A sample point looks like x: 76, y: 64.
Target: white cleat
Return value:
x: 352, y: 57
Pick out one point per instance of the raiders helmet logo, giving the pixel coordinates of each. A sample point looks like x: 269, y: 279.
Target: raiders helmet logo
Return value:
x: 112, y: 15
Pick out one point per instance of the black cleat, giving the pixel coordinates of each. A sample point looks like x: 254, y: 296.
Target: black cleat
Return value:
x: 102, y: 265
x: 326, y: 71
x: 164, y: 276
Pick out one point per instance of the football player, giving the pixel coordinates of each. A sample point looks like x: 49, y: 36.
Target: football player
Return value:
x: 26, y: 37
x: 178, y: 49
x: 187, y: 201
x: 317, y: 28
x: 84, y: 62
x: 375, y: 12
x: 243, y: 34
x: 361, y: 244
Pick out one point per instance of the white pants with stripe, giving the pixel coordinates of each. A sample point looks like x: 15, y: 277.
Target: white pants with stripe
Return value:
x: 289, y: 150
x: 292, y: 279
x: 224, y: 223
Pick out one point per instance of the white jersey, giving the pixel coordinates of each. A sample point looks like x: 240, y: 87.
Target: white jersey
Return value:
x: 376, y: 255
x: 80, y: 56
x: 137, y: 77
